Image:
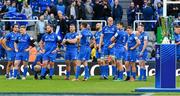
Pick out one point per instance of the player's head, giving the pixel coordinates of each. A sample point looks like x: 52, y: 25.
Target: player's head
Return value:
x: 83, y: 25
x: 140, y: 28
x: 177, y: 29
x: 15, y: 28
x: 49, y: 28
x: 129, y: 30
x: 98, y: 26
x: 72, y: 28
x: 120, y: 25
x: 110, y: 21
x: 23, y: 29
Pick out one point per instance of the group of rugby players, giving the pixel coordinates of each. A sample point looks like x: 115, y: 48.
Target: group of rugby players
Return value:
x: 114, y: 45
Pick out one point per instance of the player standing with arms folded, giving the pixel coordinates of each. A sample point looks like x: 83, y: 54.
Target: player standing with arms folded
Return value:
x: 71, y: 54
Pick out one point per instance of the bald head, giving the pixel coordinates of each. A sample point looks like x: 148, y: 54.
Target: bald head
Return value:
x: 110, y: 21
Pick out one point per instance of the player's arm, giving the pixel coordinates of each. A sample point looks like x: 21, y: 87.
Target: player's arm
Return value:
x: 41, y: 45
x: 145, y: 43
x: 112, y: 45
x: 72, y: 41
x: 137, y: 43
x: 4, y: 43
x: 64, y: 40
x: 114, y: 37
x: 101, y: 41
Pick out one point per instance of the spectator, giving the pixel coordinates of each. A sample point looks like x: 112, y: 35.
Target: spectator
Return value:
x: 72, y: 10
x: 19, y: 4
x: 139, y: 3
x: 46, y: 15
x: 52, y: 21
x: 63, y: 27
x: 61, y: 7
x: 106, y: 9
x: 53, y: 9
x: 159, y: 10
x: 98, y: 7
x: 148, y: 14
x: 88, y: 10
x: 13, y: 8
x: 117, y: 11
x: 131, y: 14
x: 80, y: 10
x: 41, y: 27
x: 156, y: 3
x: 27, y: 10
x: 6, y: 6
x: 173, y: 9
x: 35, y: 7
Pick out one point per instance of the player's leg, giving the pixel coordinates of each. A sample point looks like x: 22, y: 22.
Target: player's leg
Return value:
x: 113, y: 62
x: 44, y: 66
x: 105, y: 63
x: 142, y: 65
x: 52, y: 60
x: 133, y: 75
x: 11, y: 58
x: 74, y: 58
x: 133, y: 58
x: 16, y: 65
x: 85, y: 63
x: 67, y: 62
x: 99, y: 62
x: 25, y: 67
x: 25, y: 58
x: 68, y: 68
x: 120, y: 69
x: 128, y: 70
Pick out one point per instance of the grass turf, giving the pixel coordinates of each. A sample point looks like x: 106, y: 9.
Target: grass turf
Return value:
x: 93, y: 85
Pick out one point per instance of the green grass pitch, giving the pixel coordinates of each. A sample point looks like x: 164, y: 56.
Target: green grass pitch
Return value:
x: 94, y: 85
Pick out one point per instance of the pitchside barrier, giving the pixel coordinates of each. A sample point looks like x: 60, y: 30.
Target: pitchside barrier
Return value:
x: 94, y: 68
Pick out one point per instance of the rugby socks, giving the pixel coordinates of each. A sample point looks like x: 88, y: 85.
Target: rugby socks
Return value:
x: 15, y: 73
x: 77, y: 72
x: 106, y: 70
x: 11, y: 73
x: 67, y: 74
x: 86, y: 68
x: 144, y: 74
x: 120, y: 74
x: 141, y: 73
x: 25, y: 71
x: 114, y: 70
x: 43, y: 71
x: 128, y: 73
x: 51, y: 71
x: 134, y: 75
x: 101, y: 70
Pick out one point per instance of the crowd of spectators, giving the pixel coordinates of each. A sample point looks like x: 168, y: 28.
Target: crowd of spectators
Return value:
x: 57, y: 11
